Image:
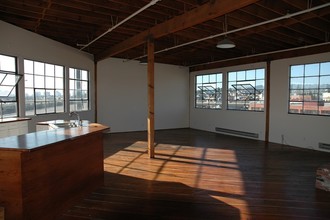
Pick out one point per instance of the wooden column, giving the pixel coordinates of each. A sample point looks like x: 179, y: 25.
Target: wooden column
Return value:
x: 267, y: 106
x: 151, y: 103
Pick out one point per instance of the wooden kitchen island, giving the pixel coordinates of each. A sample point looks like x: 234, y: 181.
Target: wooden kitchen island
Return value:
x: 41, y: 173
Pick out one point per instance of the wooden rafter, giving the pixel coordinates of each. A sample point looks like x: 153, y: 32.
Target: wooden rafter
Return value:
x: 196, y: 16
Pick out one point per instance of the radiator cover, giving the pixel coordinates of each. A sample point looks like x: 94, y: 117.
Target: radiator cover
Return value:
x: 236, y: 132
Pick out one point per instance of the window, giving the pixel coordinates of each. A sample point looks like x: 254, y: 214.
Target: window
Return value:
x: 310, y: 89
x: 44, y: 88
x: 208, y: 91
x: 8, y: 81
x: 79, y: 89
x: 246, y: 90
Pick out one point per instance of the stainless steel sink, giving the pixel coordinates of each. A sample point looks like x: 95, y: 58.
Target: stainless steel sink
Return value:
x: 64, y: 125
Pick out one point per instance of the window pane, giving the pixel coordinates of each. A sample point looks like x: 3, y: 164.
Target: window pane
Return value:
x: 39, y: 68
x: 84, y: 85
x: 50, y: 107
x: 260, y: 73
x: 84, y: 75
x: 2, y: 76
x: 9, y: 80
x: 296, y: 107
x: 49, y: 95
x: 40, y: 107
x: 28, y: 66
x: 50, y: 70
x: 59, y: 94
x: 232, y: 76
x: 59, y: 71
x: 296, y: 83
x: 72, y: 74
x: 205, y: 78
x: 310, y: 95
x: 296, y: 95
x: 297, y: 71
x: 78, y: 94
x: 325, y: 82
x: 310, y: 107
x: 40, y: 81
x: 72, y: 84
x: 28, y: 80
x: 84, y: 94
x: 72, y: 94
x: 29, y: 102
x: 240, y: 75
x: 311, y: 82
x: 59, y: 83
x: 199, y: 79
x: 219, y: 79
x: 40, y: 95
x: 50, y: 83
x: 250, y: 74
x: 325, y: 68
x: 7, y: 63
x: 9, y: 109
x: 312, y: 70
x: 213, y: 78
x: 5, y: 90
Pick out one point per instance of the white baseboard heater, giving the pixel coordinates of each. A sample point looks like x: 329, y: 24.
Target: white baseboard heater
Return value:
x: 235, y: 132
x: 324, y: 146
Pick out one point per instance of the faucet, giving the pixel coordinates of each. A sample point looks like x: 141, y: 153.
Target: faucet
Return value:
x: 78, y: 117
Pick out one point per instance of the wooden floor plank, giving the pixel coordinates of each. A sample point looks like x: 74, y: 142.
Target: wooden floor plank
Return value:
x: 204, y: 175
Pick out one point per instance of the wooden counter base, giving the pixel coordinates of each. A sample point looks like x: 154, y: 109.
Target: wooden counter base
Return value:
x: 39, y: 183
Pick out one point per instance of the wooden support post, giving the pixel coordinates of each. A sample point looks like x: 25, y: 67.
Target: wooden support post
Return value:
x: 151, y: 103
x: 267, y: 106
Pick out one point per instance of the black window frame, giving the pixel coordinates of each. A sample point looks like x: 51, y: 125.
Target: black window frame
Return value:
x: 243, y: 93
x: 57, y: 100
x: 9, y: 99
x: 306, y: 98
x: 208, y: 89
x: 77, y: 97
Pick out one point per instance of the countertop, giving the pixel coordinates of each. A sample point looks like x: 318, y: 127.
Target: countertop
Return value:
x: 8, y: 120
x: 35, y: 140
x: 84, y: 122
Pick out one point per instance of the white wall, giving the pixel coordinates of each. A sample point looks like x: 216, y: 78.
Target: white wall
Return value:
x: 23, y: 44
x: 297, y: 130
x: 303, y: 131
x: 208, y: 119
x: 123, y: 99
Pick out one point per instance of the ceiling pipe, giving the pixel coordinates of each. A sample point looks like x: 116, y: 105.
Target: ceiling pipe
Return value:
x: 151, y: 3
x: 243, y: 28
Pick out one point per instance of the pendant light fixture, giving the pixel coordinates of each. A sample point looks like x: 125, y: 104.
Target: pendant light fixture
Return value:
x: 225, y: 43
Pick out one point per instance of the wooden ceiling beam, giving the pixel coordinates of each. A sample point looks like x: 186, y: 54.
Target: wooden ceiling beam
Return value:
x: 262, y: 58
x: 196, y: 16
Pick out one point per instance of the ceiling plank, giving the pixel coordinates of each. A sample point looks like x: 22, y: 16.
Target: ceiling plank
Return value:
x: 198, y: 15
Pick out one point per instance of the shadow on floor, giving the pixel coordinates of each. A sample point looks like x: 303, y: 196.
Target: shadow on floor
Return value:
x: 125, y: 197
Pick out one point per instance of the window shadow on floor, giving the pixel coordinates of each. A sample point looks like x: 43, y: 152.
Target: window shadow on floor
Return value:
x: 125, y: 197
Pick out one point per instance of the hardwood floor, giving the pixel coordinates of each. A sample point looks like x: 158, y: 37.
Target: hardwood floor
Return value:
x: 203, y: 175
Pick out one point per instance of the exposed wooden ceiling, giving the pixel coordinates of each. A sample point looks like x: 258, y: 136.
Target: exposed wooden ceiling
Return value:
x: 183, y: 30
